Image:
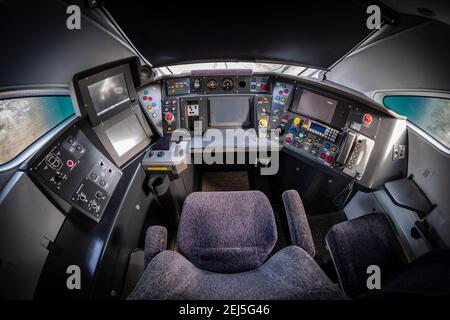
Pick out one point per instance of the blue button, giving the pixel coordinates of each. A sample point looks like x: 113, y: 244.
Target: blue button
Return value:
x: 293, y: 130
x: 277, y: 98
x: 253, y: 86
x: 327, y: 145
x: 253, y: 79
x: 154, y: 104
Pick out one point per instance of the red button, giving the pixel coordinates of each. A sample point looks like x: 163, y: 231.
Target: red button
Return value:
x: 288, y: 140
x: 329, y: 159
x: 145, y: 98
x: 150, y: 98
x: 70, y: 163
x: 259, y: 98
x: 168, y: 116
x: 322, y: 156
x: 286, y: 90
x: 367, y: 119
x: 286, y: 117
x: 280, y: 92
x: 263, y: 86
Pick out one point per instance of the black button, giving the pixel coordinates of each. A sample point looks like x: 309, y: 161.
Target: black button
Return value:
x: 102, y: 183
x: 94, y: 176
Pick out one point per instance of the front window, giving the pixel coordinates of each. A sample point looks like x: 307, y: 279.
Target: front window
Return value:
x: 255, y: 66
x: 24, y: 120
x: 430, y: 114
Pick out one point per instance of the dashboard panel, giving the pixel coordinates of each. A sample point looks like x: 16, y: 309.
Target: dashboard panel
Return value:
x: 330, y: 128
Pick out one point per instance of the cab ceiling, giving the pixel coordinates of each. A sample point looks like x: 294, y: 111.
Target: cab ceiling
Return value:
x: 315, y: 33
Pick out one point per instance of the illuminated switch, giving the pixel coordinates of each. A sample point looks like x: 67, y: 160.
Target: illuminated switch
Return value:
x: 329, y: 159
x: 367, y: 119
x: 296, y: 121
x: 263, y: 123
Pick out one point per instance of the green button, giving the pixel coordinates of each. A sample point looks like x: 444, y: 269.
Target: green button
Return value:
x: 146, y: 92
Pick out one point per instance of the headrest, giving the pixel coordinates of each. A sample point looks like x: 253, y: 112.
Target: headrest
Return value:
x: 227, y: 231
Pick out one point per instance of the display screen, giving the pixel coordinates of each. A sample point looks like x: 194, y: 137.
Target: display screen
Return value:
x: 126, y: 134
x: 109, y: 93
x: 229, y: 112
x: 318, y: 128
x: 316, y: 106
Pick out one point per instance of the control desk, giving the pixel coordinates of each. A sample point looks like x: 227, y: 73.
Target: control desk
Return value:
x: 328, y: 126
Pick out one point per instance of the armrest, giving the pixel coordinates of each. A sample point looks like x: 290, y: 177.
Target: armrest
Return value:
x: 298, y: 223
x: 155, y: 242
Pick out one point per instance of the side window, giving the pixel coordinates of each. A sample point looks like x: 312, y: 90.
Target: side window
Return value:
x: 24, y: 120
x: 430, y: 114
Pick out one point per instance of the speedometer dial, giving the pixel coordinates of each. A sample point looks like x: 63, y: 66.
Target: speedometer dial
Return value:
x: 227, y: 84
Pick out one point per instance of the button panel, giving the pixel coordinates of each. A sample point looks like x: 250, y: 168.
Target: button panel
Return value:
x: 170, y: 115
x: 75, y: 170
x: 150, y: 100
x: 312, y: 143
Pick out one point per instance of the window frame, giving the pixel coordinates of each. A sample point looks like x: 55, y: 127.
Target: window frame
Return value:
x: 38, y: 91
x: 379, y: 96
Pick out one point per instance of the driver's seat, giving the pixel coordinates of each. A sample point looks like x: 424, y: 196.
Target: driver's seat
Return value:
x: 225, y: 239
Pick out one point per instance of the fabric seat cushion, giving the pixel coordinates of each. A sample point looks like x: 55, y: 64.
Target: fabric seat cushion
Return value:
x: 227, y: 231
x: 290, y: 274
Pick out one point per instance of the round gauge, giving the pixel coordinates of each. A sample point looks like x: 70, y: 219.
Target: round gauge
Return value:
x: 197, y: 84
x: 212, y: 84
x: 227, y: 84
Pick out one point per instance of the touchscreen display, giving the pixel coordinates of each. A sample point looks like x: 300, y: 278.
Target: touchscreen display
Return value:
x: 126, y: 134
x: 109, y: 93
x: 316, y: 106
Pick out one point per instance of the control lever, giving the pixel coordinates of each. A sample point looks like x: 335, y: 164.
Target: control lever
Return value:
x: 349, y: 139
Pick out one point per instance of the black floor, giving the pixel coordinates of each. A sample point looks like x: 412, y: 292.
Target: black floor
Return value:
x: 320, y: 224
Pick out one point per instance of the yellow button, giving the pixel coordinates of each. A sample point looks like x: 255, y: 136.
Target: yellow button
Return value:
x: 283, y: 99
x: 309, y: 140
x: 263, y: 122
x: 149, y: 107
x: 333, y: 148
x: 296, y: 121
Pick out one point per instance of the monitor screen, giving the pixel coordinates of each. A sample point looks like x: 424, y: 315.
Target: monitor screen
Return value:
x: 316, y: 106
x: 109, y: 93
x: 229, y: 112
x: 126, y: 134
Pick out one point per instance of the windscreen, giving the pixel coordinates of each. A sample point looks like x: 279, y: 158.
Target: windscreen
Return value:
x: 316, y: 106
x: 229, y: 112
x: 109, y: 93
x: 126, y: 134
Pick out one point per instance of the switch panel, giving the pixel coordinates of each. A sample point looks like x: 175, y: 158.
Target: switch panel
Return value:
x: 150, y: 100
x: 79, y: 174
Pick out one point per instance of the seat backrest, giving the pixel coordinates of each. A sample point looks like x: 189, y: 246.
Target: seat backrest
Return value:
x: 227, y: 231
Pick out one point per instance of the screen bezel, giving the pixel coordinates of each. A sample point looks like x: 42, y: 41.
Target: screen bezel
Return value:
x: 101, y: 129
x: 340, y: 115
x: 88, y: 104
x: 231, y: 125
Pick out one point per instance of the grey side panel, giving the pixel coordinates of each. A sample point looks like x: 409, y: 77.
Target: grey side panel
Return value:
x: 381, y: 168
x: 431, y: 170
x: 28, y: 223
x: 416, y: 58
